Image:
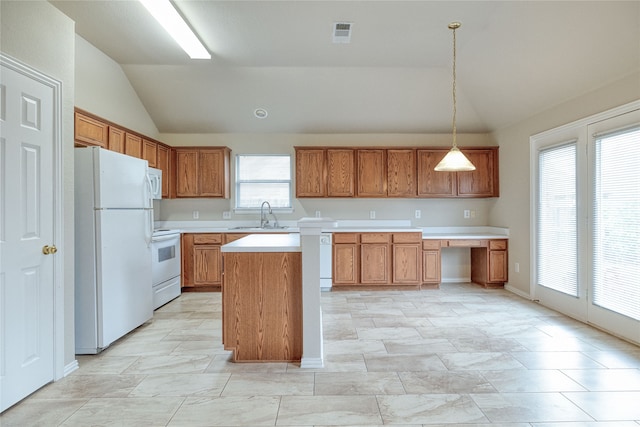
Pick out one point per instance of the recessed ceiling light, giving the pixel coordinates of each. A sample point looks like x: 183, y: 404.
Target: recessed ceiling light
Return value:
x: 260, y: 113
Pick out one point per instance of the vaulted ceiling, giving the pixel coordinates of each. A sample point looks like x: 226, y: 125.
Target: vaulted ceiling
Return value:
x: 514, y: 59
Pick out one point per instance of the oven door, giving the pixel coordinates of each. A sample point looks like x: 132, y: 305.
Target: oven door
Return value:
x: 165, y: 262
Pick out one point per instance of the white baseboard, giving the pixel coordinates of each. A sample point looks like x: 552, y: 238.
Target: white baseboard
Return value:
x: 518, y: 292
x: 71, y: 367
x: 312, y: 362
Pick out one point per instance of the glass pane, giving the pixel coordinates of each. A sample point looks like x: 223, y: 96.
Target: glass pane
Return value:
x: 251, y: 195
x: 264, y: 168
x: 557, y: 266
x: 617, y: 223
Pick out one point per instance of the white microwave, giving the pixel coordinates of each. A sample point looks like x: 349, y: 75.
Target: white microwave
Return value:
x: 155, y: 178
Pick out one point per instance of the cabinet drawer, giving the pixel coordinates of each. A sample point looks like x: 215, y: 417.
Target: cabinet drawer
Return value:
x: 207, y: 239
x: 497, y: 244
x: 407, y: 237
x: 467, y: 243
x: 345, y: 237
x: 431, y: 244
x: 375, y: 237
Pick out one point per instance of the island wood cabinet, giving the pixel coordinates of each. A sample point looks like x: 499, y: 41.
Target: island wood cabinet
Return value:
x: 377, y: 259
x: 262, y: 306
x: 392, y: 172
x: 482, y: 182
x: 203, y: 172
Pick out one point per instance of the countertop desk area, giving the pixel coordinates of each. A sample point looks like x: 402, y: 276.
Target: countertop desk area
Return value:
x: 262, y: 298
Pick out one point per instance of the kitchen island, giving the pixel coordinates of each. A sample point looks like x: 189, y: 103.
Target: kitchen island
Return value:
x: 262, y: 298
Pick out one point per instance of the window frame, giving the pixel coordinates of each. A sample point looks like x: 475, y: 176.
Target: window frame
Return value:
x: 238, y: 182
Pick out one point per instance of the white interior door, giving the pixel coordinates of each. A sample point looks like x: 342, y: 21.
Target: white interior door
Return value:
x: 26, y: 226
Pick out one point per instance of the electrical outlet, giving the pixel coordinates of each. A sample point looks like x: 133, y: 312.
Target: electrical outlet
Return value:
x: 473, y: 214
x: 196, y: 214
x: 372, y: 214
x: 318, y: 214
x: 226, y: 215
x: 418, y: 213
x: 517, y: 267
x: 467, y: 213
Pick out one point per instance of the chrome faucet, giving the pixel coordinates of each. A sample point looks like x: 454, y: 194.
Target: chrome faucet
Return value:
x: 264, y: 221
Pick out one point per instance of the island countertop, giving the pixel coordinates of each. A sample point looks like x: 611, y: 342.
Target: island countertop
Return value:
x: 265, y: 243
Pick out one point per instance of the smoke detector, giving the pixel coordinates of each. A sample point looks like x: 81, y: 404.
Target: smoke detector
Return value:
x: 342, y: 32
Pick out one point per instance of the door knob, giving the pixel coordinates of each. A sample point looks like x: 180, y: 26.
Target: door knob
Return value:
x: 47, y: 250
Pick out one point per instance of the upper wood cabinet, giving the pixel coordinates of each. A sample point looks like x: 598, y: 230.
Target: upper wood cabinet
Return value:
x: 203, y: 172
x: 90, y: 131
x: 372, y: 173
x: 340, y: 176
x: 164, y: 164
x: 310, y: 169
x: 133, y: 145
x: 401, y: 173
x: 116, y: 139
x: 150, y: 152
x: 430, y: 182
x: 482, y: 182
x: 392, y: 172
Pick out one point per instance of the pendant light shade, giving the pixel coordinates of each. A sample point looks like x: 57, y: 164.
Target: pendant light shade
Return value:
x: 454, y: 161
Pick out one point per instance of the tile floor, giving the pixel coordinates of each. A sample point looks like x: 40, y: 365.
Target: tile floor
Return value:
x: 460, y: 355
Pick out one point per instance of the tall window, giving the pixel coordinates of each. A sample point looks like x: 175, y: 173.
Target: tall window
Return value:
x: 557, y: 232
x: 616, y: 222
x: 263, y: 177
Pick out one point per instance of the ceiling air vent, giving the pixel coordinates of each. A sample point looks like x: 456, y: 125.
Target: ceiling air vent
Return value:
x: 342, y: 32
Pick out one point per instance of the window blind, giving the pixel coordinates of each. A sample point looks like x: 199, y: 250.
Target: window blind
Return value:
x: 557, y: 266
x: 616, y: 222
x: 263, y: 177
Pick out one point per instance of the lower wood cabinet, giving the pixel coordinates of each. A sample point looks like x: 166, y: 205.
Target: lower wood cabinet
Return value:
x: 407, y: 258
x: 489, y: 260
x: 431, y: 262
x: 489, y: 266
x: 201, y: 260
x: 377, y: 259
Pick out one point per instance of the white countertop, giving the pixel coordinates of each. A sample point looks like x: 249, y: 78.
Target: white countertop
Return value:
x: 265, y: 243
x: 452, y: 233
x: 343, y: 226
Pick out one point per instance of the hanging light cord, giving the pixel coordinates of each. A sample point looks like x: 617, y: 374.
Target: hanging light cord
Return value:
x: 454, y: 26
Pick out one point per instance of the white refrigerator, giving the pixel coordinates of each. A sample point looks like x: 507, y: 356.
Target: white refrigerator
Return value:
x: 113, y: 228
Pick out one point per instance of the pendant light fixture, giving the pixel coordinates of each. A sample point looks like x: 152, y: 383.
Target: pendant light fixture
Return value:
x: 454, y: 161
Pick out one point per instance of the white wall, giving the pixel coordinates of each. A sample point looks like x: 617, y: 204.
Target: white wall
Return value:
x: 512, y: 209
x: 39, y: 35
x: 435, y: 212
x: 103, y: 89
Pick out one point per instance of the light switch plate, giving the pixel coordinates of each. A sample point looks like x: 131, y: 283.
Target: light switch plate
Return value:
x: 226, y: 215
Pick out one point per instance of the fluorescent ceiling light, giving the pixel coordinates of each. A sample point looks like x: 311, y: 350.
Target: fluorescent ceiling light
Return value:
x: 170, y: 19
